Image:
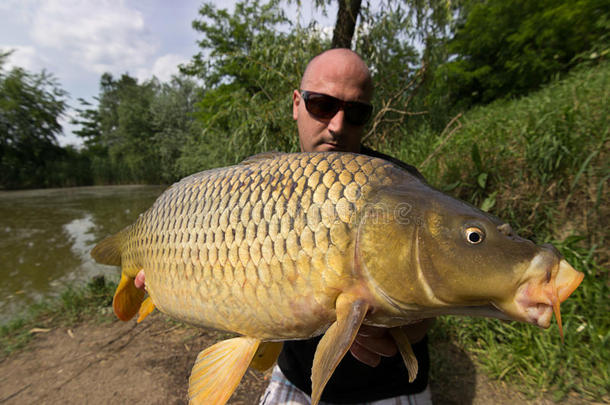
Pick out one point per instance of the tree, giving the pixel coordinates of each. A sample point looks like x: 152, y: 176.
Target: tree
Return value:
x: 346, y: 23
x: 509, y: 48
x: 254, y: 59
x: 126, y: 127
x: 137, y: 130
x: 31, y: 105
x: 173, y: 111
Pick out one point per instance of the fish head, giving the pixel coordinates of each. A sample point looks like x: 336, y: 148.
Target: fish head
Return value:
x: 423, y: 250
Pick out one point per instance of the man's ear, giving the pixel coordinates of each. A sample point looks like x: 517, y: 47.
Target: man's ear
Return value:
x: 296, y: 99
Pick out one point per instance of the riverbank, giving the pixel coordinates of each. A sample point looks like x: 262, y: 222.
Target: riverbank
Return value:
x: 73, y: 350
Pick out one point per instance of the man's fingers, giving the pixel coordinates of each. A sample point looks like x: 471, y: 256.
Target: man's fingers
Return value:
x: 364, y: 355
x: 416, y: 331
x: 371, y: 331
x: 384, y: 345
x: 140, y: 281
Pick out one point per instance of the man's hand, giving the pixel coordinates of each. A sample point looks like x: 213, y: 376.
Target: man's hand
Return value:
x: 372, y: 342
x: 140, y: 280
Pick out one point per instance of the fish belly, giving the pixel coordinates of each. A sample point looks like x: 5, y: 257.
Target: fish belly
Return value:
x: 262, y: 248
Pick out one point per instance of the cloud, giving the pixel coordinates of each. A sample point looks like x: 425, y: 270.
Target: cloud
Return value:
x: 163, y: 68
x: 99, y: 36
x: 19, y: 10
x: 25, y: 57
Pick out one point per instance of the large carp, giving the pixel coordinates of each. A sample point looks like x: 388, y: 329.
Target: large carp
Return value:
x: 290, y: 246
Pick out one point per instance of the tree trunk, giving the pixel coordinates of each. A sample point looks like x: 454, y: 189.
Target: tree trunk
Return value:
x: 346, y: 23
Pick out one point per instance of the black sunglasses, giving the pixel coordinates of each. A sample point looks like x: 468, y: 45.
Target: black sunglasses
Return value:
x: 325, y: 107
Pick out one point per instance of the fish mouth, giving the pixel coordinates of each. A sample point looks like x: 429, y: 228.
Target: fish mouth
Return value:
x: 539, y: 298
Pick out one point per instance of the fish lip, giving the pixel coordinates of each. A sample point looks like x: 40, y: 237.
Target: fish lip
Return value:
x: 530, y: 309
x: 534, y: 297
x: 565, y: 286
x: 539, y: 297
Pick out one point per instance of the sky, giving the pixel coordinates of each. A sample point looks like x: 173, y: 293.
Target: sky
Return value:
x: 78, y: 40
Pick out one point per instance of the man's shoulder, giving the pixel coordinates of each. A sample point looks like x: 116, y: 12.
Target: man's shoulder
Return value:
x: 373, y: 153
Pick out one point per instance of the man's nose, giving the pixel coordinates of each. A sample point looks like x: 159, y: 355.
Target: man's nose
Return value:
x: 337, y: 122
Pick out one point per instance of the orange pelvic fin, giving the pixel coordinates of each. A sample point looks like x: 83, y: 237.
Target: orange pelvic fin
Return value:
x: 406, y: 351
x: 266, y: 355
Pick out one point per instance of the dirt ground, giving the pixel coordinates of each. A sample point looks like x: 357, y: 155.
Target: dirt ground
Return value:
x: 149, y: 363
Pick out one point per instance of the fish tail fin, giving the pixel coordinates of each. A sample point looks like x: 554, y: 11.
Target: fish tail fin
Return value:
x: 127, y: 298
x: 219, y: 369
x: 108, y: 251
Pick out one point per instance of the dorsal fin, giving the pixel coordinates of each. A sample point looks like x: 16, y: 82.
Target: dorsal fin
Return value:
x: 261, y: 156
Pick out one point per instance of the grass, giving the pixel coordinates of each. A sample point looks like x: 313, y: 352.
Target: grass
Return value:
x: 75, y: 304
x: 541, y: 163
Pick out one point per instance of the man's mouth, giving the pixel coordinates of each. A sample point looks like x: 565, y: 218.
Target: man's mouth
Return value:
x: 332, y: 146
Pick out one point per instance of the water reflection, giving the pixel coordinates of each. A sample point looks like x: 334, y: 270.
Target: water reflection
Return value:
x: 46, y: 237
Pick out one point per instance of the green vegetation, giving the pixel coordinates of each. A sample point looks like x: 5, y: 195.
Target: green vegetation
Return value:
x: 30, y: 106
x: 234, y: 98
x: 137, y: 131
x: 74, y: 304
x: 506, y: 48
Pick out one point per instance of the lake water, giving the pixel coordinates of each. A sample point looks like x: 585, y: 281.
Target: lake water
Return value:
x: 46, y: 236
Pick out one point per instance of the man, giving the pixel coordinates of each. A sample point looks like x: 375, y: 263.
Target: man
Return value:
x: 330, y: 109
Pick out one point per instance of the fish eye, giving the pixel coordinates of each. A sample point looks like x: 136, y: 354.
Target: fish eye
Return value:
x: 474, y: 235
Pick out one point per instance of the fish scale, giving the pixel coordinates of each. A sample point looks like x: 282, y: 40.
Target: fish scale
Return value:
x: 269, y: 236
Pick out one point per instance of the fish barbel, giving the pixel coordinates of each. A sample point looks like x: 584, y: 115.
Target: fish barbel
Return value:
x: 290, y: 246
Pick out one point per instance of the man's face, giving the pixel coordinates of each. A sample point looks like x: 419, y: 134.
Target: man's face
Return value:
x: 339, y: 79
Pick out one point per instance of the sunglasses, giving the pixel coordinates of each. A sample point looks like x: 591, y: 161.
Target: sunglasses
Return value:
x: 325, y: 107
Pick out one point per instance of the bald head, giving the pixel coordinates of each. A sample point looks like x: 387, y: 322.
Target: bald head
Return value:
x: 342, y: 74
x: 339, y: 64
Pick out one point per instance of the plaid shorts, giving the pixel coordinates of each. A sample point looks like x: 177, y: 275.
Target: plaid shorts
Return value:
x: 282, y: 392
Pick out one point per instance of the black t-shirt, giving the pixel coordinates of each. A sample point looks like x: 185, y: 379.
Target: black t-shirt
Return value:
x: 373, y: 153
x: 354, y: 381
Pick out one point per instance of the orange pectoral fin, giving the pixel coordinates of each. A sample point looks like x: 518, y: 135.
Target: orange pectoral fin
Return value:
x: 127, y: 299
x: 337, y: 340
